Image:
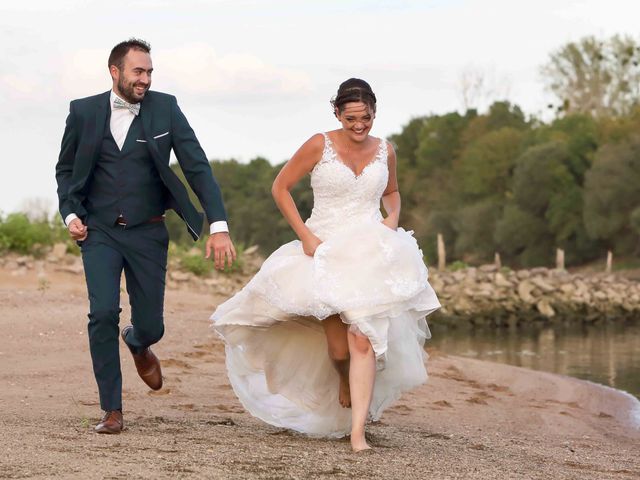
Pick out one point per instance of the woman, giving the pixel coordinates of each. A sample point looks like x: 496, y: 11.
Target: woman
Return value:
x: 353, y: 284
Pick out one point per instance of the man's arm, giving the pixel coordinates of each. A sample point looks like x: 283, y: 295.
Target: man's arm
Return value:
x: 196, y: 168
x: 64, y: 170
x: 64, y: 167
x: 197, y: 171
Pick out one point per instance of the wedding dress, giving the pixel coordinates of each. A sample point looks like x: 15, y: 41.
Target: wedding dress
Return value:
x: 373, y: 276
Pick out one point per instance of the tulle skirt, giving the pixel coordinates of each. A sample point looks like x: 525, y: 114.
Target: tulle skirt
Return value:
x: 276, y: 350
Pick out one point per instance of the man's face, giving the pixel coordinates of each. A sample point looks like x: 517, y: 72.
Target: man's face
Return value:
x: 132, y: 82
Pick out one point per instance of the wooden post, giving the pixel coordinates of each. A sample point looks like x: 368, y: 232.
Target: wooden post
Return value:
x: 442, y: 254
x: 559, y: 259
x: 497, y: 261
x: 609, y: 262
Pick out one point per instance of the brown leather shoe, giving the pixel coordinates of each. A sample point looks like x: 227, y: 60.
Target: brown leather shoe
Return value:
x: 111, y: 422
x: 147, y: 364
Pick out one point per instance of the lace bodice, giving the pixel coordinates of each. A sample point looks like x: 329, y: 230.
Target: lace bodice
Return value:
x: 340, y: 197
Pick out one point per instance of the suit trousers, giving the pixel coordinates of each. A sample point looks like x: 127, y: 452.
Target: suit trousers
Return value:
x: 141, y: 252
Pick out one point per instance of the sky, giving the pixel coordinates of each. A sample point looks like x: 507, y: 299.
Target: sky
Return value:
x: 254, y: 78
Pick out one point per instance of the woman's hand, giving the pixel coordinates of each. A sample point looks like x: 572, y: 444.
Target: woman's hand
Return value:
x: 310, y: 243
x: 391, y: 221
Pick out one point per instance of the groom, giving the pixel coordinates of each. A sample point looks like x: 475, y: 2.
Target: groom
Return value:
x: 114, y: 185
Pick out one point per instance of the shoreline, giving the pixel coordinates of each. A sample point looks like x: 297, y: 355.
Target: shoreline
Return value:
x: 628, y: 416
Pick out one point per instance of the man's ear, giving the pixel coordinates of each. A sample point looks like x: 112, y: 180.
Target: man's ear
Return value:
x: 114, y: 71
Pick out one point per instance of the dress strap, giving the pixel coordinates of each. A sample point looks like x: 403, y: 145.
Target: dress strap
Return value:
x: 383, y: 151
x: 329, y: 153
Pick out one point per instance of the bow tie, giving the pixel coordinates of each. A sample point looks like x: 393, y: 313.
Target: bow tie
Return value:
x: 132, y: 107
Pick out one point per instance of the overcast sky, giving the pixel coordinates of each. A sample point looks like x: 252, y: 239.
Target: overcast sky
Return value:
x: 255, y: 77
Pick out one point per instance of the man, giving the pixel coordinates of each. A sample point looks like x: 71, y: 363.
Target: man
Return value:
x: 114, y: 185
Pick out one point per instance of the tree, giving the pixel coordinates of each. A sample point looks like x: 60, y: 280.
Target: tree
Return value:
x: 612, y: 194
x: 595, y: 77
x: 485, y: 167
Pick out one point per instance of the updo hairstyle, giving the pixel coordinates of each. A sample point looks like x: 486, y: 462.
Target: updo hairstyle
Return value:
x: 353, y: 90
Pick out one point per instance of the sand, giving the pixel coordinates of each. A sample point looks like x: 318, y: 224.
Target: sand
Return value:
x: 471, y: 420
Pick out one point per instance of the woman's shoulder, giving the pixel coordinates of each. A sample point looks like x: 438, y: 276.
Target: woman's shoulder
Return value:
x: 315, y: 142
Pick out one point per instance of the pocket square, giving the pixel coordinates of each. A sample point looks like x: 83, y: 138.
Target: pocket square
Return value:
x: 141, y: 141
x: 161, y: 135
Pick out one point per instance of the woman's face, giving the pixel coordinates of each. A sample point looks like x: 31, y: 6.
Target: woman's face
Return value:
x: 356, y: 119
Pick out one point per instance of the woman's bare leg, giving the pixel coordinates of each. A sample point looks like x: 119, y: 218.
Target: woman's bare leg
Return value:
x: 362, y: 373
x: 336, y: 332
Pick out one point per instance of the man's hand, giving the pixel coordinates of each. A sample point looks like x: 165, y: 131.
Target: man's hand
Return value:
x: 224, y: 253
x: 77, y: 230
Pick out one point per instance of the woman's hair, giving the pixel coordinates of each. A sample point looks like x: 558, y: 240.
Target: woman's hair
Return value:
x: 353, y: 90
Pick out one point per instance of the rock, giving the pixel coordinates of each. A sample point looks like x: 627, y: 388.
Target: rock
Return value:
x: 449, y: 280
x: 458, y: 276
x: 539, y: 271
x: 58, y: 252
x: 24, y: 261
x: 542, y: 285
x: 524, y: 291
x: 501, y: 281
x: 522, y: 274
x: 178, y: 276
x: 600, y: 295
x: 567, y: 288
x: 545, y: 308
x: 488, y: 268
x: 251, y: 250
x: 75, y: 268
x: 436, y: 283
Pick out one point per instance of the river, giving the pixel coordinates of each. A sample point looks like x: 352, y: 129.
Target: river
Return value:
x: 605, y: 352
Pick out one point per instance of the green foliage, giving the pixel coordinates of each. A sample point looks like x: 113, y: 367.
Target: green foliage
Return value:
x: 523, y: 237
x: 193, y: 260
x: 457, y: 265
x: 21, y: 235
x: 253, y: 215
x: 475, y: 224
x: 612, y: 194
x: 486, y: 165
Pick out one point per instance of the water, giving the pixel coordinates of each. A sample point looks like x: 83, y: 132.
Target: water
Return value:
x: 607, y: 352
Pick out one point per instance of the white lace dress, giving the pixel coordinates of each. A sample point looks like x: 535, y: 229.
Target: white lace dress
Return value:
x: 374, y: 277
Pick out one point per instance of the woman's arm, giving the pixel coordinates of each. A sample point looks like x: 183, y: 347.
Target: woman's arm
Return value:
x: 391, y: 195
x: 300, y: 165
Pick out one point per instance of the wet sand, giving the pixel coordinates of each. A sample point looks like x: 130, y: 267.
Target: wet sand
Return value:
x: 473, y: 419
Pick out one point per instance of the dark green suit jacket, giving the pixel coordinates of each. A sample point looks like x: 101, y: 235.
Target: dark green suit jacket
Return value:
x: 165, y: 128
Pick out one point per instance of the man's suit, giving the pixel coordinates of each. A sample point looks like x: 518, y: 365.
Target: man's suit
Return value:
x: 107, y: 186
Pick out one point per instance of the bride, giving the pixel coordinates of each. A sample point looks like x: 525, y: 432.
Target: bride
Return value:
x: 354, y: 286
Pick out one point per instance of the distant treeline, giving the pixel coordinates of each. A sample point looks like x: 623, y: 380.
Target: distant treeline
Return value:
x: 499, y: 181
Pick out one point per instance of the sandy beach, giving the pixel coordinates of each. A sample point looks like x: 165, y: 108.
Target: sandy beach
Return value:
x: 471, y: 420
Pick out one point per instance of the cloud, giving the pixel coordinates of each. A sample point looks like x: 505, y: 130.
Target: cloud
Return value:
x: 194, y: 69
x: 198, y: 69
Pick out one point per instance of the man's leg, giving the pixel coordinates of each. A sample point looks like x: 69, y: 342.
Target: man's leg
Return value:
x: 145, y: 270
x: 103, y: 266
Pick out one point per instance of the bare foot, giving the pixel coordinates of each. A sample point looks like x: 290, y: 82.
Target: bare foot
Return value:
x: 344, y: 395
x: 359, y: 444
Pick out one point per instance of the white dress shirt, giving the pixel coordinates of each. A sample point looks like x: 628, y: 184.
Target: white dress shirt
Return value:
x: 119, y: 123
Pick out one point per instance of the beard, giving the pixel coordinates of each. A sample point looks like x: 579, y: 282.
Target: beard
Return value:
x: 128, y: 92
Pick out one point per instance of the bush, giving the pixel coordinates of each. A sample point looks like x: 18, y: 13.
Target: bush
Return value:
x: 19, y: 234
x: 193, y: 260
